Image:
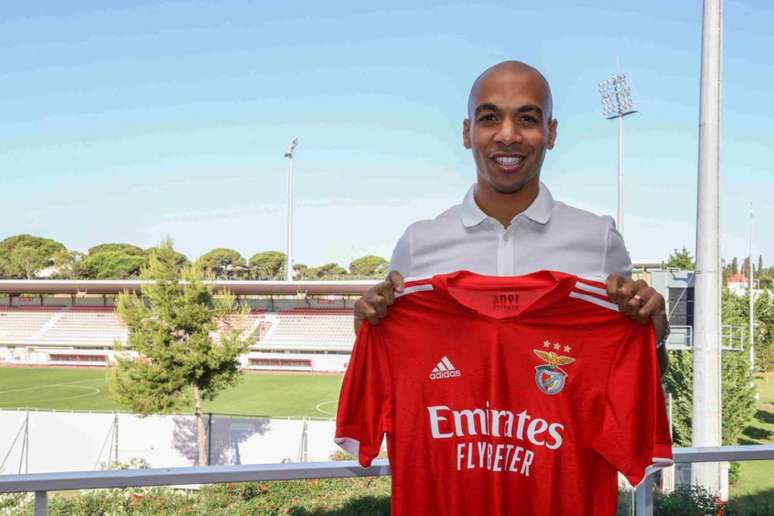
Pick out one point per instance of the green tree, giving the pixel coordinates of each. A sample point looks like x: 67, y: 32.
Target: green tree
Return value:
x: 759, y: 269
x: 369, y: 267
x: 22, y: 256
x: 67, y: 264
x: 725, y: 269
x: 764, y: 332
x: 737, y: 312
x: 329, y: 271
x: 181, y: 260
x: 171, y: 327
x: 299, y: 271
x: 681, y: 259
x: 738, y: 396
x: 734, y: 266
x: 110, y: 265
x: 269, y: 265
x: 129, y: 249
x: 224, y: 264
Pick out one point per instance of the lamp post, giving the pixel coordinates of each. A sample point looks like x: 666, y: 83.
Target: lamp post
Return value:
x: 752, y: 298
x: 289, y: 264
x: 617, y: 103
x: 706, y: 418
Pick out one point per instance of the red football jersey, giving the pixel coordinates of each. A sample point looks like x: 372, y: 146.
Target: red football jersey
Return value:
x: 505, y: 395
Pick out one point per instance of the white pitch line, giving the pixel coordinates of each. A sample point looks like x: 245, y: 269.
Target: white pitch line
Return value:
x: 321, y: 411
x: 92, y: 392
x: 38, y: 387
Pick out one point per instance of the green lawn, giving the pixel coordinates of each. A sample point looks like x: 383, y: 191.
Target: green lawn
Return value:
x: 758, y: 476
x: 280, y: 395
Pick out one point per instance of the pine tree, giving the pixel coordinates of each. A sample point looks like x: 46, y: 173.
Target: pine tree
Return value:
x: 738, y: 405
x: 734, y: 266
x: 681, y: 259
x: 759, y: 269
x: 177, y: 357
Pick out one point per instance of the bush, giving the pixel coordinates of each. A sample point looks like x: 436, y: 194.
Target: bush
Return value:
x: 686, y: 500
x: 341, y: 497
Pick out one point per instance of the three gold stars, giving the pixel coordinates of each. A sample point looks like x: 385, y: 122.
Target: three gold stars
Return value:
x: 557, y: 346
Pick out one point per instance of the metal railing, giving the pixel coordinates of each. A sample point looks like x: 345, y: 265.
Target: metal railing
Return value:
x: 42, y: 483
x: 643, y: 502
x: 732, y: 337
x: 681, y: 337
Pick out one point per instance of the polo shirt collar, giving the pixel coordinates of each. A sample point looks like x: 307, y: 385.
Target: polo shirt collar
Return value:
x: 539, y: 211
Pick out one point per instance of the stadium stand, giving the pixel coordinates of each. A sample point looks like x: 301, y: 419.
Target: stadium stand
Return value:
x: 99, y: 327
x: 291, y: 339
x: 310, y: 329
x: 305, y: 339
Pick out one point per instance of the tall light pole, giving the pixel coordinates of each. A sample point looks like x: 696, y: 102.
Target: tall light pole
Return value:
x: 289, y: 264
x: 750, y: 290
x: 706, y: 422
x: 617, y: 103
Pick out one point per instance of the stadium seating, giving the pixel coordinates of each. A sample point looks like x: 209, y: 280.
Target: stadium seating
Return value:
x: 23, y: 324
x: 326, y: 330
x: 298, y: 339
x: 84, y: 328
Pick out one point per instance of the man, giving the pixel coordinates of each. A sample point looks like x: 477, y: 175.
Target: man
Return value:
x: 508, y: 223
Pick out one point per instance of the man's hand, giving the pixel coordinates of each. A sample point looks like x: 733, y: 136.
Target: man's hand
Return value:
x: 373, y: 305
x: 635, y: 298
x: 640, y: 303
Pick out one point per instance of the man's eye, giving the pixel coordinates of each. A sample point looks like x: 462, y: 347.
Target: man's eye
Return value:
x: 529, y: 119
x: 487, y: 118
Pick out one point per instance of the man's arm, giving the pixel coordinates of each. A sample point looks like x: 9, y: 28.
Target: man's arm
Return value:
x: 641, y: 303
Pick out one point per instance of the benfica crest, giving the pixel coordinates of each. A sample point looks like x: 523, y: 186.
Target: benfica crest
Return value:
x: 549, y: 377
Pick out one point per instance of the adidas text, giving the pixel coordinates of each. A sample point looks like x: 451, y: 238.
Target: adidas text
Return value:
x: 445, y: 374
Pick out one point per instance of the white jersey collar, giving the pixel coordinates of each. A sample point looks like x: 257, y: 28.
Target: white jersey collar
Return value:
x: 539, y: 211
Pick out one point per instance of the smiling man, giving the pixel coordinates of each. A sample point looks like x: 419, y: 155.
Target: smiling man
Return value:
x: 508, y: 223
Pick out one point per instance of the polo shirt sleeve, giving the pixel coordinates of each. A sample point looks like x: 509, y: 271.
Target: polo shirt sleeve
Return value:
x: 616, y: 258
x: 401, y: 255
x: 634, y: 432
x: 365, y: 400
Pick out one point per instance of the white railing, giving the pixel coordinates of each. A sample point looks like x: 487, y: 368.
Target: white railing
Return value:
x: 42, y: 483
x: 681, y: 337
x: 643, y: 502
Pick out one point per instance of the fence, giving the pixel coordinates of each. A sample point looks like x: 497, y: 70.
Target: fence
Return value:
x: 39, y: 441
x: 42, y: 483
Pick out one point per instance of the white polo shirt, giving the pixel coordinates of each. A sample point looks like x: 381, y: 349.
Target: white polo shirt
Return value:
x: 548, y: 235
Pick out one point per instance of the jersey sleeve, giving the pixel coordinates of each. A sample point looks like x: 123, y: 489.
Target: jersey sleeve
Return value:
x: 634, y: 435
x: 365, y: 400
x: 616, y: 257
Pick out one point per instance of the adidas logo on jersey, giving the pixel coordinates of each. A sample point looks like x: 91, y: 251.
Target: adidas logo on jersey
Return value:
x: 444, y: 369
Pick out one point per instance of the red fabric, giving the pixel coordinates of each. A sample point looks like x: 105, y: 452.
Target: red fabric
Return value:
x: 483, y: 437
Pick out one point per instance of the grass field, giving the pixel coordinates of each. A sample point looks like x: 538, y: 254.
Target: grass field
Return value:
x: 758, y: 476
x: 277, y: 395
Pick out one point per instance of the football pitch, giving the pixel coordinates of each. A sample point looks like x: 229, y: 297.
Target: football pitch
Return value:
x: 256, y: 394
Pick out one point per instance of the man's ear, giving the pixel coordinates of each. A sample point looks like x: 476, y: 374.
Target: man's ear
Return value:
x: 552, y: 125
x: 466, y: 133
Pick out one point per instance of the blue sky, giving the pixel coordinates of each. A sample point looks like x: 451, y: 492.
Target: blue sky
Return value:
x: 131, y: 121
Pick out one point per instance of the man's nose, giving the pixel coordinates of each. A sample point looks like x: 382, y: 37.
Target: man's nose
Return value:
x: 509, y: 133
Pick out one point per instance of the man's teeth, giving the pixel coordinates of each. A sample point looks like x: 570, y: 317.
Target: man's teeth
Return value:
x: 508, y: 161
